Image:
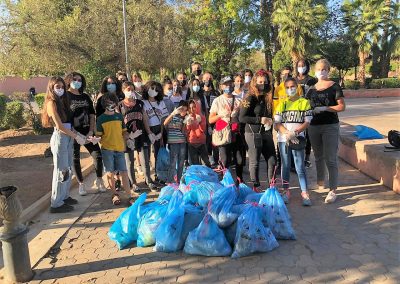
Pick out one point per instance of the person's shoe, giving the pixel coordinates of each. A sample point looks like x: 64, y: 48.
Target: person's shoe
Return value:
x: 152, y: 187
x: 286, y: 196
x: 82, y: 191
x: 135, y: 191
x: 70, y: 201
x: 257, y: 188
x: 306, y: 199
x: 307, y: 164
x: 331, y: 197
x: 62, y: 209
x: 118, y: 185
x: 159, y: 182
x: 99, y: 185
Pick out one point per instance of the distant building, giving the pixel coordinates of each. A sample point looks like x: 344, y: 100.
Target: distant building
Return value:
x: 11, y: 84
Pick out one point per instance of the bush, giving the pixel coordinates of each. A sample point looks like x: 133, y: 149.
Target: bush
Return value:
x: 352, y: 85
x: 39, y: 99
x: 384, y: 83
x: 3, y: 102
x: 14, y: 115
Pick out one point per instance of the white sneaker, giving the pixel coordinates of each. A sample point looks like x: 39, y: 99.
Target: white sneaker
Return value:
x: 82, y: 191
x: 331, y: 197
x: 99, y: 185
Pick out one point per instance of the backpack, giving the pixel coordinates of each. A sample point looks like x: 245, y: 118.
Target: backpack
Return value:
x: 394, y: 138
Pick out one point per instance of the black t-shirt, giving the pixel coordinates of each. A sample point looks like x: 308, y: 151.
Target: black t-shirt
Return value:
x: 133, y: 119
x: 252, y: 110
x: 306, y: 83
x: 327, y: 97
x: 81, y: 107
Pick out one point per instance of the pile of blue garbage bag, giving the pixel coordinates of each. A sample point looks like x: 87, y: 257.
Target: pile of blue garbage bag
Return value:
x: 205, y: 216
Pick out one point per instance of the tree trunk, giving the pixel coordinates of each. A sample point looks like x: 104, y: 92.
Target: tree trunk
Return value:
x: 361, y: 71
x: 385, y: 44
x: 376, y: 57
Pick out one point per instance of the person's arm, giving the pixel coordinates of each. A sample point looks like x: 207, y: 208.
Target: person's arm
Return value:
x: 245, y: 110
x: 213, y: 117
x: 169, y: 119
x: 53, y: 114
x: 341, y: 106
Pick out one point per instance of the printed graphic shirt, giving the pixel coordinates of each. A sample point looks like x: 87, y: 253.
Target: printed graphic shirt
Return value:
x: 292, y: 115
x: 111, y: 129
x: 156, y: 111
x: 133, y: 119
x: 81, y: 107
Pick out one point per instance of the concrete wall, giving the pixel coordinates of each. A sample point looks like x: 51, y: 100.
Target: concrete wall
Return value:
x: 372, y: 93
x: 10, y: 84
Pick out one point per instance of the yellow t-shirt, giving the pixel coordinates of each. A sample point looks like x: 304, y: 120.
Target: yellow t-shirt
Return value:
x: 111, y: 129
x: 280, y: 95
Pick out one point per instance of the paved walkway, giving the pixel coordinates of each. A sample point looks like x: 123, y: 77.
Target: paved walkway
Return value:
x: 355, y: 240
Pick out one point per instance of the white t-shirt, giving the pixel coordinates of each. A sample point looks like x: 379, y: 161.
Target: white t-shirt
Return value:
x: 222, y: 106
x: 240, y: 95
x: 176, y: 99
x: 155, y: 118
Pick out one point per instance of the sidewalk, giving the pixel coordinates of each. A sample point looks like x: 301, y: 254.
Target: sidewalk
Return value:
x: 355, y: 240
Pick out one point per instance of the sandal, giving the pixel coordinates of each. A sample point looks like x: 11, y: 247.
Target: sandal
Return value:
x: 116, y: 200
x: 131, y: 200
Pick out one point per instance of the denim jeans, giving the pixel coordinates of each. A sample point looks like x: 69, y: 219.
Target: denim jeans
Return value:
x: 61, y: 146
x: 177, y: 154
x: 144, y: 162
x: 298, y: 157
x: 325, y: 144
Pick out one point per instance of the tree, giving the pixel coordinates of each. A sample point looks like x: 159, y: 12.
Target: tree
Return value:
x: 280, y: 60
x: 295, y: 37
x: 364, y: 21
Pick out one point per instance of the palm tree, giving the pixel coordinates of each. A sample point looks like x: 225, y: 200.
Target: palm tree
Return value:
x: 364, y: 20
x: 297, y: 21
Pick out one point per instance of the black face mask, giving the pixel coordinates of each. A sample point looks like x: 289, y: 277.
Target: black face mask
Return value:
x: 207, y: 83
x: 182, y: 82
x: 197, y: 72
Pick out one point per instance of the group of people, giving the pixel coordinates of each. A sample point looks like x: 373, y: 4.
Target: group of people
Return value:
x: 199, y: 123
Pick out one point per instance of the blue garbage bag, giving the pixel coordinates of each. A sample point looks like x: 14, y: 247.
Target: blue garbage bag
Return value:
x: 152, y: 216
x: 251, y: 235
x: 365, y: 132
x: 276, y: 215
x: 243, y: 192
x: 167, y: 191
x: 193, y: 216
x: 201, y: 193
x: 200, y: 173
x: 124, y: 230
x: 253, y: 197
x: 230, y: 233
x: 162, y: 164
x: 169, y: 231
x: 221, y: 205
x: 207, y: 239
x: 239, y: 208
x: 227, y: 179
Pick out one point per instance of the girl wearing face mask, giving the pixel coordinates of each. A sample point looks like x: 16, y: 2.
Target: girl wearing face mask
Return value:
x: 136, y: 121
x: 83, y: 120
x: 110, y: 85
x: 198, y: 96
x: 138, y: 83
x: 238, y: 90
x: 174, y: 93
x: 256, y: 113
x: 292, y: 118
x: 56, y: 113
x: 248, y: 75
x: 305, y: 81
x: 326, y: 99
x: 168, y: 91
x: 182, y: 79
x: 225, y: 111
x: 156, y: 111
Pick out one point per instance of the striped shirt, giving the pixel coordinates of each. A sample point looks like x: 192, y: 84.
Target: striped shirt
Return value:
x: 175, y: 130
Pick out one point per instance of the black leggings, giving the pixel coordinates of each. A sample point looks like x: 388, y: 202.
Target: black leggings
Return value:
x: 233, y: 150
x: 308, y: 145
x: 94, y: 151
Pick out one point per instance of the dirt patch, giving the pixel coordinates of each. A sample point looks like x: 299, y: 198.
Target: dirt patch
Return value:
x: 23, y: 164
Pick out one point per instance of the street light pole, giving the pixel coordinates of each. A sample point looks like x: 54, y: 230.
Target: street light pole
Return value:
x: 125, y: 39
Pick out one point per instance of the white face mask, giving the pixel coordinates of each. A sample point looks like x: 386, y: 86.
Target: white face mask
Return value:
x: 323, y: 74
x: 59, y: 92
x: 301, y: 70
x: 129, y: 95
x: 247, y: 79
x: 137, y: 84
x: 291, y: 92
x: 152, y: 93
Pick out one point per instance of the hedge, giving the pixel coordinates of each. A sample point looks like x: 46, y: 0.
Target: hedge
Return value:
x: 352, y: 85
x: 39, y: 99
x: 3, y: 102
x: 384, y: 83
x: 13, y: 117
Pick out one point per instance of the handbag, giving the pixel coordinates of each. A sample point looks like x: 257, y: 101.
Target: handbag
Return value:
x: 223, y: 136
x: 300, y: 146
x: 257, y: 137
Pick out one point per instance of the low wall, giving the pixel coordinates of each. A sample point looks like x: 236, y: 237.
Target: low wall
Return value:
x: 369, y: 157
x: 372, y: 93
x: 10, y: 84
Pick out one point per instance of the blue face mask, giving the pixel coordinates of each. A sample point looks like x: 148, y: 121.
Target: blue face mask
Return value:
x: 228, y: 90
x: 196, y: 88
x: 170, y: 93
x: 76, y: 85
x: 111, y: 88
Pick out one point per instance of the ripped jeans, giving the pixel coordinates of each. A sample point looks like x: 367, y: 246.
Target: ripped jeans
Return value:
x: 61, y: 147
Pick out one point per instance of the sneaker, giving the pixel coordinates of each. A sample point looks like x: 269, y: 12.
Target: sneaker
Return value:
x: 118, y: 185
x: 135, y: 191
x: 82, y: 190
x: 307, y: 164
x: 331, y: 197
x: 62, y: 209
x: 306, y: 199
x: 286, y: 196
x: 99, y: 185
x: 159, y: 182
x: 70, y: 201
x: 152, y: 187
x: 257, y: 188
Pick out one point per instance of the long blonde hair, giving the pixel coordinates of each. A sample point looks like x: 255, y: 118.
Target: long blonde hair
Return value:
x: 62, y: 103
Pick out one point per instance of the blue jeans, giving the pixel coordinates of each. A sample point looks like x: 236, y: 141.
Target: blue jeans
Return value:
x: 298, y: 157
x: 61, y: 146
x: 177, y: 153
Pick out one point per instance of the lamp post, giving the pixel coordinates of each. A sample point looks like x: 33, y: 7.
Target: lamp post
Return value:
x: 125, y: 38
